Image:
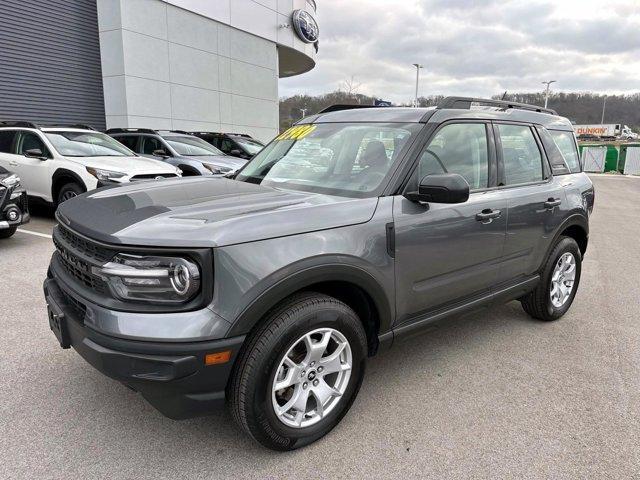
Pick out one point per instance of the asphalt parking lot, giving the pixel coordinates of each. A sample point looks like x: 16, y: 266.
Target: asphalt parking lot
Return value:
x: 492, y: 395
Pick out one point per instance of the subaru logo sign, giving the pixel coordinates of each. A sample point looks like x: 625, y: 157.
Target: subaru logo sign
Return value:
x: 305, y: 26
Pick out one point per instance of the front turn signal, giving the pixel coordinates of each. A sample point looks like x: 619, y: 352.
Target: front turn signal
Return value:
x: 217, y: 358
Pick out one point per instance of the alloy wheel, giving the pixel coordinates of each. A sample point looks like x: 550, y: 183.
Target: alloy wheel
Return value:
x: 311, y: 377
x: 562, y: 279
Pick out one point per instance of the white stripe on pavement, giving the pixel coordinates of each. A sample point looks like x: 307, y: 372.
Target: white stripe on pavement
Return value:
x: 37, y: 234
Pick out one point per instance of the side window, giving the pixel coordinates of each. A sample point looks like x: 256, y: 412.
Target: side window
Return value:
x: 458, y: 148
x: 226, y: 145
x: 6, y: 140
x: 30, y: 141
x: 129, y: 141
x: 566, y: 143
x: 521, y: 155
x: 150, y: 144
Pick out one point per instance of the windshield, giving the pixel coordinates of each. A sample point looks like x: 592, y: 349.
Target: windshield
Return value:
x: 250, y: 146
x: 350, y: 159
x: 191, y: 146
x: 87, y: 144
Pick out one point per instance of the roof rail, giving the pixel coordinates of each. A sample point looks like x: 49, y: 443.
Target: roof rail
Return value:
x: 180, y: 131
x: 465, y: 103
x: 338, y: 107
x: 69, y: 125
x: 130, y: 130
x: 19, y: 124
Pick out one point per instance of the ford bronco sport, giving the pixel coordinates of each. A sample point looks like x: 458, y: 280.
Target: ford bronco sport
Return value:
x: 349, y: 231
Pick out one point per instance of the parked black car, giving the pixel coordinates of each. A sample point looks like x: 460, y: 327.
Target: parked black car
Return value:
x: 235, y: 144
x: 345, y: 234
x: 14, y: 209
x: 189, y: 153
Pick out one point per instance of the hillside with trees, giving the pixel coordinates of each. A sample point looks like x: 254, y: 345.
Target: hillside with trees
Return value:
x: 578, y: 107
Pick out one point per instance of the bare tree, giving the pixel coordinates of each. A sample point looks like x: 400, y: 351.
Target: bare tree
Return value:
x: 350, y: 86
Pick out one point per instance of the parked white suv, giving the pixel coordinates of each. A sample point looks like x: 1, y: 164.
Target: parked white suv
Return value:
x: 58, y: 163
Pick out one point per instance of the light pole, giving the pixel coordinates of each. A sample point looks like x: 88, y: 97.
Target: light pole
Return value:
x: 546, y: 95
x: 418, y: 67
x: 604, y: 106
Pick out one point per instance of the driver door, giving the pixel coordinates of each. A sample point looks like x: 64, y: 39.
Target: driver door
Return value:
x: 449, y: 253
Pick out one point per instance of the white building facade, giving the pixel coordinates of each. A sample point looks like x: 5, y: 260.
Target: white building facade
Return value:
x: 206, y: 65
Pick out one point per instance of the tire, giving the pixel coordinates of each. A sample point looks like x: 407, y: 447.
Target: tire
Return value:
x: 68, y: 191
x: 8, y: 232
x: 252, y: 398
x: 539, y: 303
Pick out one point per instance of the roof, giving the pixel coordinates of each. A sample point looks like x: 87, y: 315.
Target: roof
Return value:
x: 510, y: 111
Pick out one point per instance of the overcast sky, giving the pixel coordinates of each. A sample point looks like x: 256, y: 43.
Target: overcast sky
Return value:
x: 478, y: 48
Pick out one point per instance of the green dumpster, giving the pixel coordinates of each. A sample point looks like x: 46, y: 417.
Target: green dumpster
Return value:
x: 623, y: 154
x: 611, y: 160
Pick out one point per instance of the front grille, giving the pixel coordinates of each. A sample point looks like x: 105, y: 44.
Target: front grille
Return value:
x: 85, y: 247
x: 76, y: 255
x: 80, y: 270
x: 153, y: 176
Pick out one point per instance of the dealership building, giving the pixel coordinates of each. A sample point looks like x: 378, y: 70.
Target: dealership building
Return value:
x: 207, y: 65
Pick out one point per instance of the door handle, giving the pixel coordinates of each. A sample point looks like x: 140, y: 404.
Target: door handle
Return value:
x: 551, y: 203
x: 13, y: 163
x: 487, y: 215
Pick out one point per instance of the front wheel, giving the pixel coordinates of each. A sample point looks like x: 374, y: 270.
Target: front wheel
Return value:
x: 300, y: 372
x: 558, y: 284
x: 69, y: 191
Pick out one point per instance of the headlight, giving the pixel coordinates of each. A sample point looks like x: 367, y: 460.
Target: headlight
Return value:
x: 11, y: 181
x: 215, y: 169
x: 151, y: 279
x: 104, y: 174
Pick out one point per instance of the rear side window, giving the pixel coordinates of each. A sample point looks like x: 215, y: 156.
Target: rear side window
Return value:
x: 566, y: 143
x: 458, y: 148
x: 521, y: 155
x: 6, y: 140
x: 129, y: 141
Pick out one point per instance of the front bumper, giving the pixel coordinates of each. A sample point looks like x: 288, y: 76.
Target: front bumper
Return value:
x: 172, y: 377
x: 13, y: 200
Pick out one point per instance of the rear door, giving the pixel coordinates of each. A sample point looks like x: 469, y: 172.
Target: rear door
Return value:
x: 447, y: 253
x: 34, y: 173
x: 534, y: 199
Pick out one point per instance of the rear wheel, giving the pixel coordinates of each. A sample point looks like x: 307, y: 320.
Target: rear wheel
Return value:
x: 300, y: 372
x: 69, y: 191
x: 559, y: 283
x: 8, y: 232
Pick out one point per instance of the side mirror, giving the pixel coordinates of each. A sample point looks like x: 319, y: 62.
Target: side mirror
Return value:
x: 441, y: 188
x: 160, y: 153
x: 236, y: 153
x: 34, y: 153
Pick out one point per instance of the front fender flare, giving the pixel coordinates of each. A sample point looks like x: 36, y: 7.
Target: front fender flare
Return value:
x: 306, y: 277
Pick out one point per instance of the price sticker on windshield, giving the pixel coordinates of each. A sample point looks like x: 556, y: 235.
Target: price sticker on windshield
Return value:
x: 296, y: 133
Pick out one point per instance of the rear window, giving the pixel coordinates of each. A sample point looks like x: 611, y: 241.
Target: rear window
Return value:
x: 6, y: 140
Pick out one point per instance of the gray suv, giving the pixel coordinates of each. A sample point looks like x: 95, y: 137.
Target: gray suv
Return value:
x: 181, y: 149
x: 351, y: 230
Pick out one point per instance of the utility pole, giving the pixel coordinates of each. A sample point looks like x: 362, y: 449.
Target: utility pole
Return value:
x: 418, y: 67
x: 546, y: 95
x: 604, y: 106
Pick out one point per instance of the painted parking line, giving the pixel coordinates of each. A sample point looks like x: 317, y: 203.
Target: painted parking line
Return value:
x: 37, y: 234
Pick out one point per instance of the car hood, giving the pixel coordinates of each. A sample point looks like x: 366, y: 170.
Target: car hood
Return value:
x: 234, y: 163
x: 127, y: 165
x: 206, y: 212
